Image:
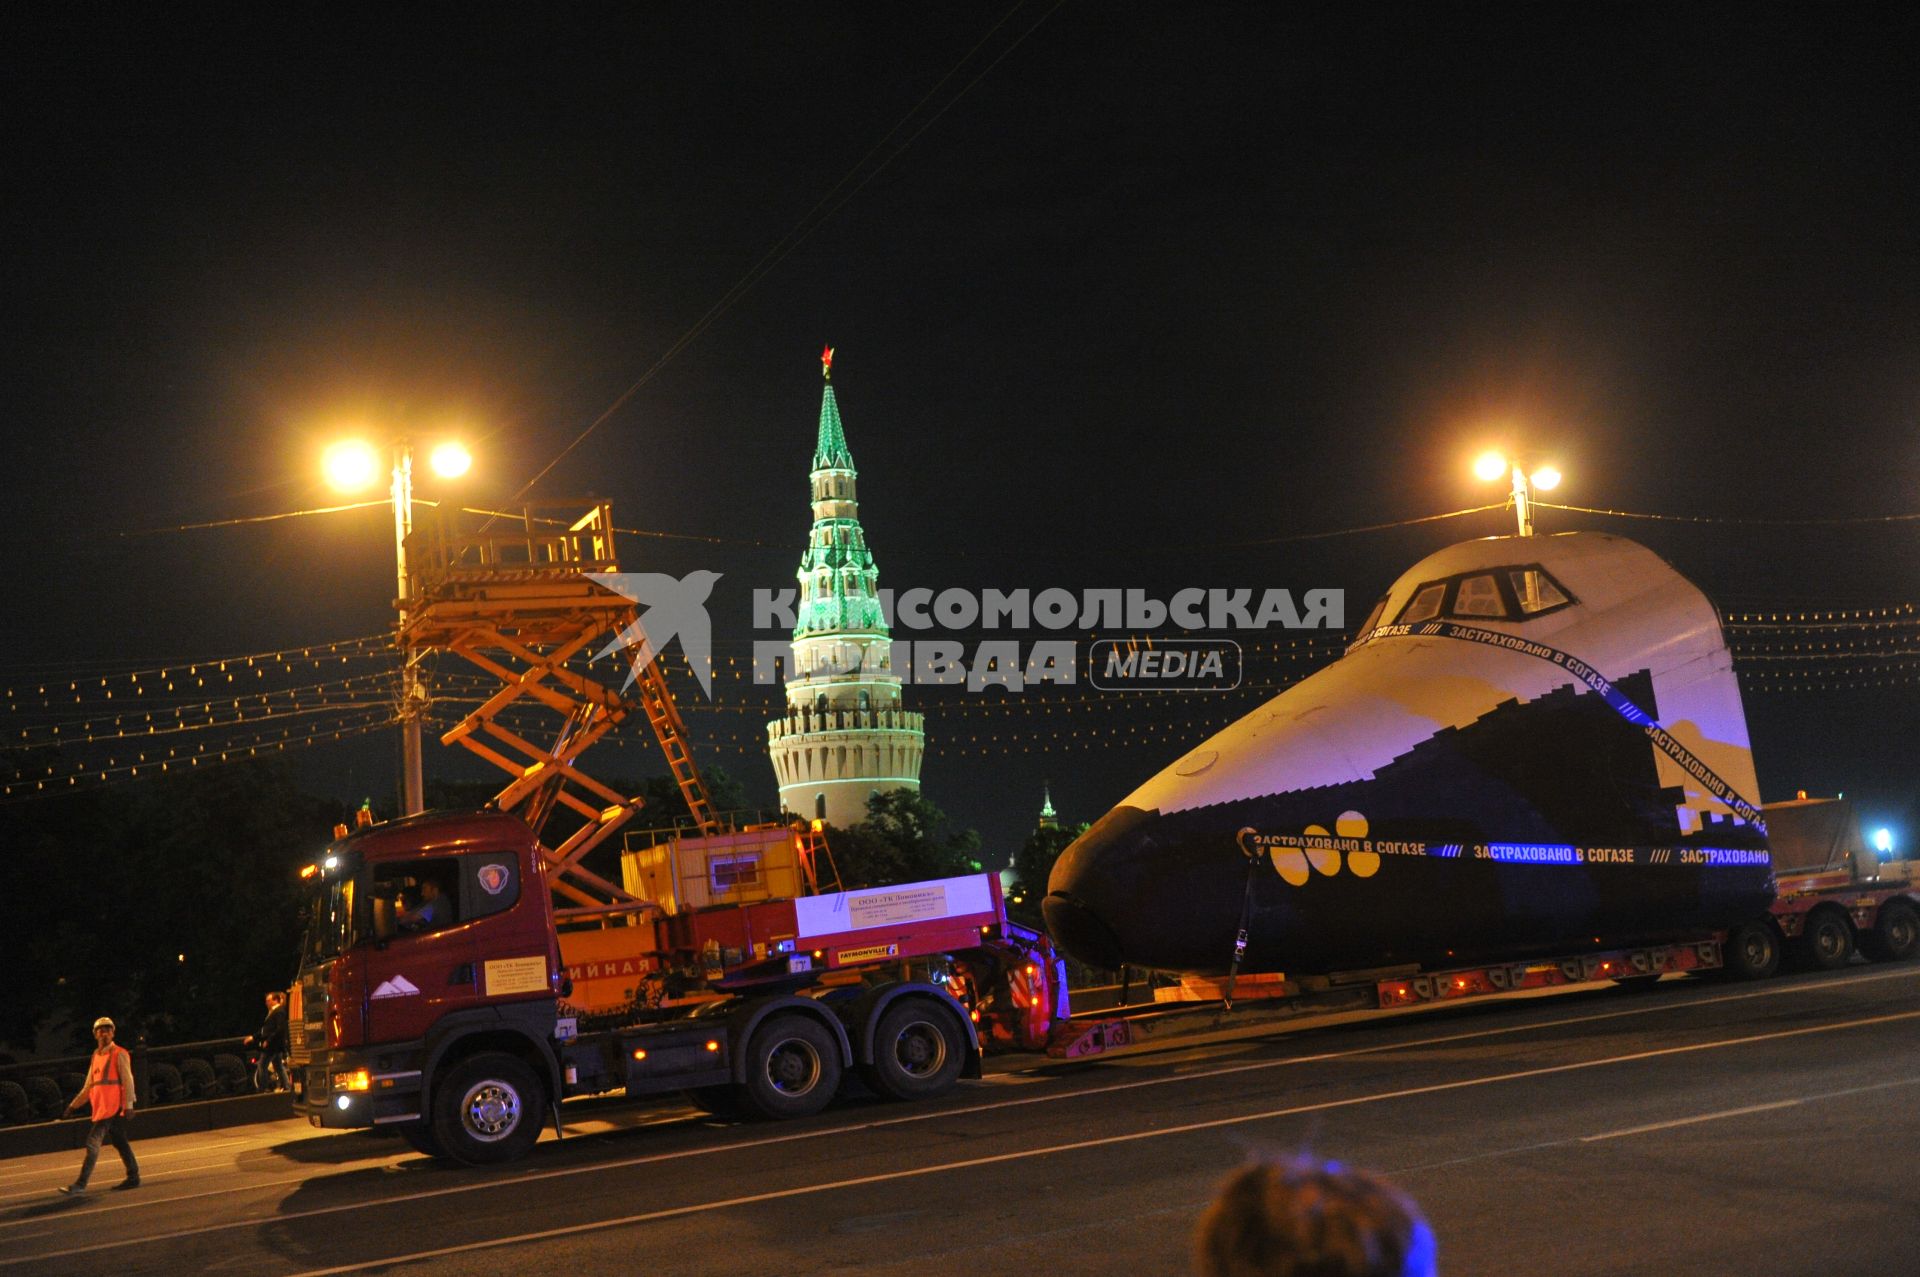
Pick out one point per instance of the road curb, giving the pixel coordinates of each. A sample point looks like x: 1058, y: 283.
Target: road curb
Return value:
x: 172, y: 1119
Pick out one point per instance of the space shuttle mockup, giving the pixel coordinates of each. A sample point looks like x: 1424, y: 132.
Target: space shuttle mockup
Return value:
x: 1535, y: 744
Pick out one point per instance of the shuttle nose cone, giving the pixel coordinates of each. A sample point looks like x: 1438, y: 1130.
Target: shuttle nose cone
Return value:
x: 1123, y: 893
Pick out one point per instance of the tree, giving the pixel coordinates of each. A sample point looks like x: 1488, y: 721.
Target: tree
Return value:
x: 903, y: 839
x: 1032, y: 865
x: 170, y: 905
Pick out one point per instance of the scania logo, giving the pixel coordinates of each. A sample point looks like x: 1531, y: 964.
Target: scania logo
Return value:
x: 493, y: 879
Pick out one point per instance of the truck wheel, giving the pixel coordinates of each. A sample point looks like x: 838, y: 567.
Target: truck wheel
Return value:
x: 15, y: 1108
x: 917, y: 1051
x: 165, y: 1082
x: 197, y: 1076
x: 793, y: 1067
x: 1896, y: 936
x: 419, y: 1135
x: 721, y: 1101
x: 1752, y: 951
x: 232, y: 1073
x: 44, y: 1096
x: 1827, y: 943
x: 488, y: 1109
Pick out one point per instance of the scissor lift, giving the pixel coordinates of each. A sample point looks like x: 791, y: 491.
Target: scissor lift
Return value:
x: 514, y: 599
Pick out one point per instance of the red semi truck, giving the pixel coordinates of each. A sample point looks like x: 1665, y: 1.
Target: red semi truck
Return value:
x: 451, y: 1022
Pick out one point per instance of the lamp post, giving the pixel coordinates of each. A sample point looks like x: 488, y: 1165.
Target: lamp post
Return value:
x: 352, y: 466
x: 1492, y: 465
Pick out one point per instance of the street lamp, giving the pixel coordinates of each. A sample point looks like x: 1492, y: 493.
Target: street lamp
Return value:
x: 352, y: 466
x: 1489, y: 466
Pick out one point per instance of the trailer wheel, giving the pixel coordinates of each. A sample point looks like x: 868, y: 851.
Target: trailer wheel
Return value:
x: 488, y: 1109
x: 917, y: 1051
x: 793, y: 1067
x: 1827, y: 943
x: 15, y: 1108
x: 1896, y: 936
x: 721, y: 1101
x: 420, y: 1137
x: 1752, y: 951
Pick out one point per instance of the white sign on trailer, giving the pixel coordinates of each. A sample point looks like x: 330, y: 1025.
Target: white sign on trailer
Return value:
x: 845, y: 911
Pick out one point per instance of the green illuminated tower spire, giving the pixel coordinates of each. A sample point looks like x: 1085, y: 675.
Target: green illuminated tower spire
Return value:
x: 844, y: 736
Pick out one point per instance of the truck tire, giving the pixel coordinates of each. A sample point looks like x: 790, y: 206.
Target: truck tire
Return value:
x: 420, y: 1137
x: 1895, y: 936
x: 488, y: 1109
x: 1752, y: 951
x: 44, y: 1097
x: 197, y: 1075
x: 164, y: 1081
x: 15, y: 1109
x: 233, y: 1075
x: 918, y: 1049
x: 1827, y: 942
x: 793, y: 1067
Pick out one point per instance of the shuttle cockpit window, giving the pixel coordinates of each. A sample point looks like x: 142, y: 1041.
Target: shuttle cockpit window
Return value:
x: 1425, y: 604
x: 1536, y: 592
x: 1373, y: 619
x: 1502, y: 594
x: 1478, y: 596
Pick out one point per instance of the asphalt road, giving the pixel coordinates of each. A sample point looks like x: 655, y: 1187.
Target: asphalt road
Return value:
x: 1692, y: 1128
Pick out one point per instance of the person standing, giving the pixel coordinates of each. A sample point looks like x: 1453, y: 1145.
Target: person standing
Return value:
x: 270, y: 1072
x: 109, y: 1090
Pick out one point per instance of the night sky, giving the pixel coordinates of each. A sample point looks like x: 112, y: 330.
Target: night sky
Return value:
x: 1117, y: 290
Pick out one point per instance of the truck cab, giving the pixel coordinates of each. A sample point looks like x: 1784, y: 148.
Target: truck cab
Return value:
x: 424, y: 935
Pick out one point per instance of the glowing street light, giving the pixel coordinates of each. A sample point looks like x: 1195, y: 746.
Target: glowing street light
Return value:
x: 352, y: 466
x: 1489, y: 466
x: 451, y: 460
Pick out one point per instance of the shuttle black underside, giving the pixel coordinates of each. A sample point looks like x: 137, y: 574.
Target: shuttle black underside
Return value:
x: 1540, y: 827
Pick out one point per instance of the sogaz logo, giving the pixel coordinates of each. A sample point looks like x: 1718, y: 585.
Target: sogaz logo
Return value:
x: 1182, y: 665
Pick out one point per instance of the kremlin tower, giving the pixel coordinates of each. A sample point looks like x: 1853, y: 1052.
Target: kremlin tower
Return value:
x: 844, y: 736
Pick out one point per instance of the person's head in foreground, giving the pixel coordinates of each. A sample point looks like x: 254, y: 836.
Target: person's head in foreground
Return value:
x: 1299, y: 1217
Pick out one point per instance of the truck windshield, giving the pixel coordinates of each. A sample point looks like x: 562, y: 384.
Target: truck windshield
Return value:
x: 330, y: 913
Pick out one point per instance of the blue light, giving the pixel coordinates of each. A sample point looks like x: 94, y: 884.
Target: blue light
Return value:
x: 1533, y: 853
x: 1883, y: 841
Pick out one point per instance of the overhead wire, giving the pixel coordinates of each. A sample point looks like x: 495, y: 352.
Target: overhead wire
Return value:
x: 804, y: 229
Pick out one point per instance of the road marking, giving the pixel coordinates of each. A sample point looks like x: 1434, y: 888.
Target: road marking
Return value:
x: 1108, y: 1141
x: 1751, y: 1108
x: 803, y: 1190
x: 1227, y: 1070
x: 1490, y: 1154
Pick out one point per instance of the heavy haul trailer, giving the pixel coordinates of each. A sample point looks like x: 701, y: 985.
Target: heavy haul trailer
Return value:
x: 1836, y: 895
x: 455, y: 1028
x: 1207, y: 1007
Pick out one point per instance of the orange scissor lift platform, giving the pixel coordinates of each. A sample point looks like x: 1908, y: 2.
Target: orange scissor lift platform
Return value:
x: 515, y: 598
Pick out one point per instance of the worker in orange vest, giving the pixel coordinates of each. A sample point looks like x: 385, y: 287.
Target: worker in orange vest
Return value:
x: 109, y: 1089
